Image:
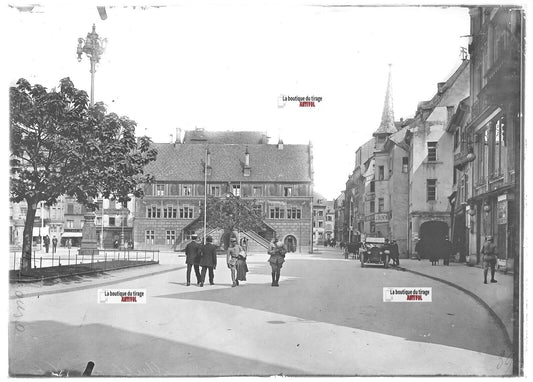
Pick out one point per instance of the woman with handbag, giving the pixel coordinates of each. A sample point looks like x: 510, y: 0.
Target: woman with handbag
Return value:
x: 231, y: 259
x: 241, y: 266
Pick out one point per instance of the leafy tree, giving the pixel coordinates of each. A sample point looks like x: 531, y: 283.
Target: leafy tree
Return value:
x: 232, y: 213
x: 62, y: 146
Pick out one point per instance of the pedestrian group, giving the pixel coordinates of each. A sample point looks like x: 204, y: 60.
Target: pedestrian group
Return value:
x: 205, y: 256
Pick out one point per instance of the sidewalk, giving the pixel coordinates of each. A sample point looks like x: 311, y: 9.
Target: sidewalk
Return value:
x: 498, y: 297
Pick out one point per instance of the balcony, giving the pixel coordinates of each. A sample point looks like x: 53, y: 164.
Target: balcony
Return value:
x: 502, y: 80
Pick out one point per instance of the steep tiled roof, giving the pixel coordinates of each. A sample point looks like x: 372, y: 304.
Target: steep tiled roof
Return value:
x: 425, y: 106
x: 224, y: 137
x: 318, y: 198
x: 185, y: 162
x: 399, y: 139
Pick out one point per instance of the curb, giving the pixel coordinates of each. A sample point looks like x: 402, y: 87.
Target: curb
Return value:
x: 478, y: 299
x: 35, y: 280
x: 81, y: 287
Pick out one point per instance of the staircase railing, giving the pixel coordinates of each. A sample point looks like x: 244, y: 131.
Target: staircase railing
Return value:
x: 258, y: 239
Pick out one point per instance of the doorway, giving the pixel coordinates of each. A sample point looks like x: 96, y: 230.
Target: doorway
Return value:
x: 290, y: 243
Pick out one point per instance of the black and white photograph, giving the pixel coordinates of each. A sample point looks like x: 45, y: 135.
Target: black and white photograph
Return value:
x: 256, y: 189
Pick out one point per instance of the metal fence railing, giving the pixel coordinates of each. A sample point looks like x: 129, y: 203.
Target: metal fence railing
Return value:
x: 73, y: 256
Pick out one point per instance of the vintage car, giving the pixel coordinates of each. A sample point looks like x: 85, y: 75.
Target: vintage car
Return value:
x: 373, y: 251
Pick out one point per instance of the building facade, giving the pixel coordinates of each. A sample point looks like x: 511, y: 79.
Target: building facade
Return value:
x: 277, y: 176
x: 380, y: 203
x: 329, y: 231
x: 489, y: 189
x: 323, y: 220
x: 431, y: 160
x: 338, y: 207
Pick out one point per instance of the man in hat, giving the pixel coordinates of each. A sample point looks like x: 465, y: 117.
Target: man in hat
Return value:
x: 231, y: 259
x: 208, y: 261
x: 193, y: 254
x: 394, y: 252
x: 489, y: 259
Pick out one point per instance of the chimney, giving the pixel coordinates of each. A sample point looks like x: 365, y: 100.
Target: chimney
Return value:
x: 440, y: 87
x: 280, y: 144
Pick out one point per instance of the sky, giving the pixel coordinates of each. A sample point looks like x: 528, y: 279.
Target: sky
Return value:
x: 223, y: 66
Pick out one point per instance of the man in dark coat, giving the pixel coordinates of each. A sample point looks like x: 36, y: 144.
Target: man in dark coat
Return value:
x: 46, y: 241
x: 490, y: 259
x: 447, y: 251
x: 394, y: 252
x: 193, y: 253
x: 54, y: 245
x: 208, y: 261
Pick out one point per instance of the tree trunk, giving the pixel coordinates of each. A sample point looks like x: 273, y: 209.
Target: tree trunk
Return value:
x: 27, y: 237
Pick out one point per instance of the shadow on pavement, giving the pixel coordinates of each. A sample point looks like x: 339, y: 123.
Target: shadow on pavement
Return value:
x: 62, y: 346
x: 456, y: 321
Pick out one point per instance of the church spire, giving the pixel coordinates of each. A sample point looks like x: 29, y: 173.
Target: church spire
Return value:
x: 387, y: 119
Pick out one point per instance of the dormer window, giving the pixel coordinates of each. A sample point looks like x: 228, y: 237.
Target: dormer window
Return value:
x: 247, y: 169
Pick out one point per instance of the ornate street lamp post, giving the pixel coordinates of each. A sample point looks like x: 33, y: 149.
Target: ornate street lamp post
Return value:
x: 93, y: 46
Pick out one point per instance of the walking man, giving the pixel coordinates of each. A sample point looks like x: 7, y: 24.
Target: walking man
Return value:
x: 54, y: 245
x: 193, y: 254
x: 46, y: 241
x: 489, y: 259
x: 447, y: 251
x: 208, y: 261
x: 231, y: 260
x: 276, y: 260
x: 394, y: 253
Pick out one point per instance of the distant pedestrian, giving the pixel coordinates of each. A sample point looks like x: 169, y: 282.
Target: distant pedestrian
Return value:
x: 418, y: 249
x: 276, y: 260
x: 208, y: 261
x: 352, y: 249
x: 54, y: 245
x: 432, y: 253
x: 242, y: 267
x: 231, y: 259
x: 394, y: 252
x: 489, y: 259
x: 115, y: 244
x: 69, y: 243
x: 193, y: 254
x: 46, y: 241
x: 447, y: 251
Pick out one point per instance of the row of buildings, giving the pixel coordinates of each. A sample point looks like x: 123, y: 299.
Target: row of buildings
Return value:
x: 278, y: 177
x: 453, y: 170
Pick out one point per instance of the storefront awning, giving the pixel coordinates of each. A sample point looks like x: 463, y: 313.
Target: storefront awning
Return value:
x: 71, y: 234
x: 41, y: 231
